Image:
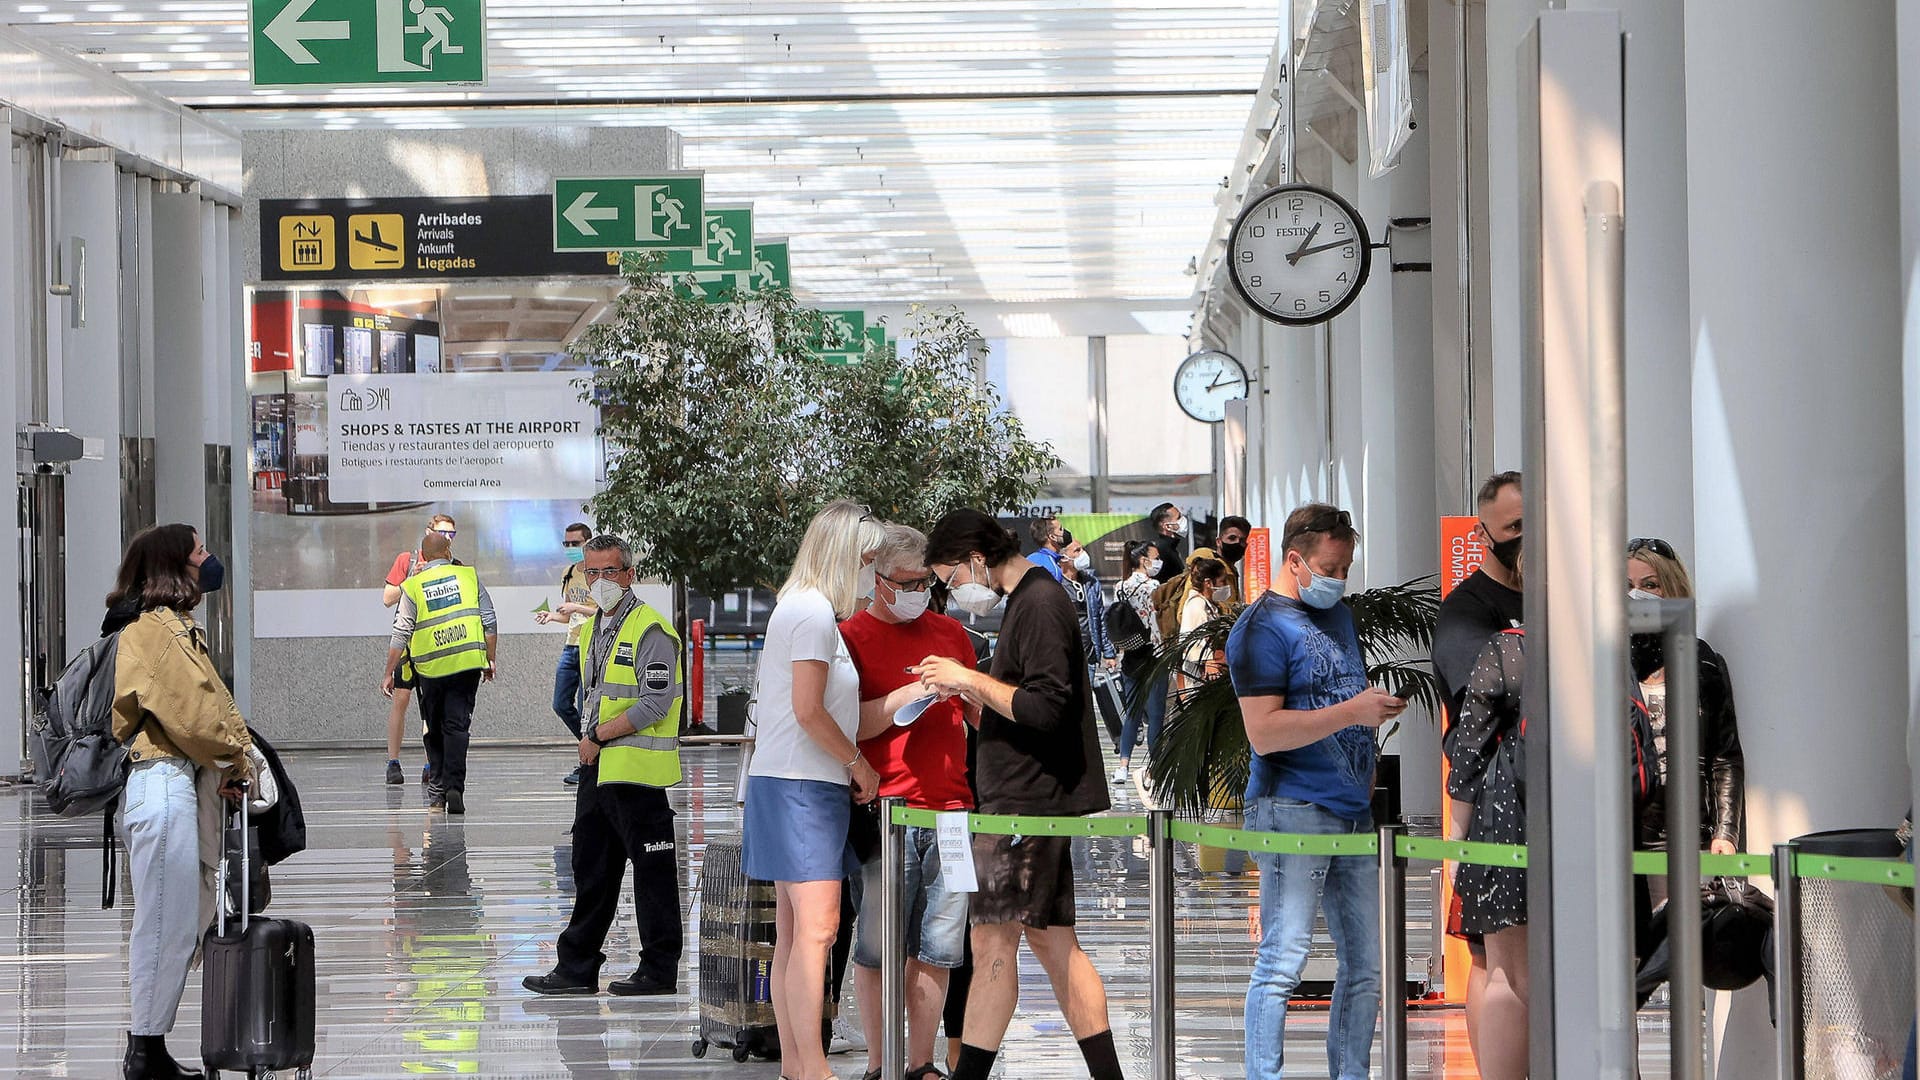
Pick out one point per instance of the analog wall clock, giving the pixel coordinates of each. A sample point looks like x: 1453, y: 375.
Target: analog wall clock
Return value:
x: 1205, y: 382
x: 1299, y: 254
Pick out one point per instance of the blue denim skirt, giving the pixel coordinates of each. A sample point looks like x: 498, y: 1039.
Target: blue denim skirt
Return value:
x: 796, y: 830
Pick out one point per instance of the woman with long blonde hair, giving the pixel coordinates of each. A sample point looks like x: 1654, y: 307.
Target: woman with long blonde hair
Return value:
x: 805, y: 764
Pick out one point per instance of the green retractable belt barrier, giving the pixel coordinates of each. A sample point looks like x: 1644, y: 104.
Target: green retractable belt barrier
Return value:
x: 1645, y: 863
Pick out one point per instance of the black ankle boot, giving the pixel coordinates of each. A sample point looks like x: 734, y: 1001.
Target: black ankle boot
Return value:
x: 148, y: 1059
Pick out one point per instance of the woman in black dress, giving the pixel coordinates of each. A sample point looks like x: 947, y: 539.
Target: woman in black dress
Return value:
x: 1484, y: 751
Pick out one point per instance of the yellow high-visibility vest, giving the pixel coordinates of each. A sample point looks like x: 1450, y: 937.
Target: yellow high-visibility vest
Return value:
x: 448, y: 637
x: 650, y: 756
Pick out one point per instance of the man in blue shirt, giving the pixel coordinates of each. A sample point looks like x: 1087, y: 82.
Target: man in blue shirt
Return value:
x: 1311, y: 718
x: 1048, y: 539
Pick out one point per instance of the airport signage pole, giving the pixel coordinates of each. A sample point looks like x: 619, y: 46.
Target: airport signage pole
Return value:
x: 368, y: 42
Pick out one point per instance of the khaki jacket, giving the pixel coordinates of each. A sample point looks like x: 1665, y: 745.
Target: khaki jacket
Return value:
x: 164, y: 677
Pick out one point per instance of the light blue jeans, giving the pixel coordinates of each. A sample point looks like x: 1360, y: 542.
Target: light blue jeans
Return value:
x: 936, y: 916
x: 161, y: 820
x: 1292, y: 890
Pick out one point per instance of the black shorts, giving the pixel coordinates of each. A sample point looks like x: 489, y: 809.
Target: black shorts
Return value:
x: 1023, y: 879
x: 403, y: 678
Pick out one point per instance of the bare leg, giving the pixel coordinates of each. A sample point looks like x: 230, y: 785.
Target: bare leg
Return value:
x: 815, y: 918
x: 782, y: 949
x: 996, y: 984
x: 1476, y: 999
x: 1502, y: 1053
x: 866, y: 990
x: 926, y: 994
x: 397, y: 721
x: 1076, y: 985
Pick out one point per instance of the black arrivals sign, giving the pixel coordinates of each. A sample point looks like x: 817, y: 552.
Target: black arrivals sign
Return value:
x: 417, y: 239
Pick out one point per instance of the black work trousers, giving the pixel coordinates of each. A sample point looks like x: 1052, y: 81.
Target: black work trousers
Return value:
x: 613, y: 825
x: 446, y: 704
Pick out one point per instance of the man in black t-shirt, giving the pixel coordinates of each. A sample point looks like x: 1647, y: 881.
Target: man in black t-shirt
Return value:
x: 1038, y: 754
x: 1170, y: 540
x: 1488, y: 601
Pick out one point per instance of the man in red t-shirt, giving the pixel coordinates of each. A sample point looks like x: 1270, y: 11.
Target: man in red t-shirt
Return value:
x: 925, y: 763
x: 402, y: 569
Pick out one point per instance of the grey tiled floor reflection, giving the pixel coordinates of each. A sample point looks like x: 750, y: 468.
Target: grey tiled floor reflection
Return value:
x: 426, y: 925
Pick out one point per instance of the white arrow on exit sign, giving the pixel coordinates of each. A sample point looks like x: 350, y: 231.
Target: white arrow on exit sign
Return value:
x: 581, y: 214
x: 290, y: 33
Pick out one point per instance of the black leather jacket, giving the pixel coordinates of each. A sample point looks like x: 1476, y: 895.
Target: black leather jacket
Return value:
x: 1723, y: 766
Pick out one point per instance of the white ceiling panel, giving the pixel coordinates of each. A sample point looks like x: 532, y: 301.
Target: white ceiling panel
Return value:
x: 1011, y: 150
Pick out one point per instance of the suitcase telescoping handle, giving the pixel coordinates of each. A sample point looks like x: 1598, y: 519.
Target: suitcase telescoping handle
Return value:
x: 238, y: 830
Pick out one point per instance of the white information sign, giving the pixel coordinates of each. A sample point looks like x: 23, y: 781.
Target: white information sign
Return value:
x: 482, y: 436
x: 956, y: 852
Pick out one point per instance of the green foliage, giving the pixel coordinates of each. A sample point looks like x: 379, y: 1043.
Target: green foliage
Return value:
x: 1203, y: 751
x: 725, y: 434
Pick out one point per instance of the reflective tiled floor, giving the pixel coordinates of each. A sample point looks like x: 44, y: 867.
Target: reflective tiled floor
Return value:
x: 426, y: 925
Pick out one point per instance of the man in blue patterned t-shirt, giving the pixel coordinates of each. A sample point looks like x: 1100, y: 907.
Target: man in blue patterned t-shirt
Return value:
x: 1310, y: 717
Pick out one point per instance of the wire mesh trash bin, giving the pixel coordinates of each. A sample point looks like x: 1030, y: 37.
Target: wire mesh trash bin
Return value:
x: 1856, y: 964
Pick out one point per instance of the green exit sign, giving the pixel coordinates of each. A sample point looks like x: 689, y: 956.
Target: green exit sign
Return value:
x: 368, y: 42
x: 651, y: 213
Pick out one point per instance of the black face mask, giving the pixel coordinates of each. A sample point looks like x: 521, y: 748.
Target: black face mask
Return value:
x: 1232, y: 552
x: 213, y: 574
x: 1507, y: 551
x: 1644, y: 651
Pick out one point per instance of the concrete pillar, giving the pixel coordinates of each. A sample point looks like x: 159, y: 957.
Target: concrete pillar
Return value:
x: 89, y: 377
x: 13, y: 412
x: 1795, y: 316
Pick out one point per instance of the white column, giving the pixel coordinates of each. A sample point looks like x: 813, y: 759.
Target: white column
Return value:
x: 179, y: 351
x: 12, y: 415
x: 1792, y: 173
x: 89, y: 377
x: 1907, y: 21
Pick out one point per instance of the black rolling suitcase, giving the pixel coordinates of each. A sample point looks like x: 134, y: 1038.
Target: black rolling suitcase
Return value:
x: 1109, y: 703
x: 257, y: 988
x: 736, y: 958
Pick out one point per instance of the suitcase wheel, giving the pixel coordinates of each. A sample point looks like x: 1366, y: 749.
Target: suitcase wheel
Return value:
x: 699, y: 1048
x: 739, y: 1054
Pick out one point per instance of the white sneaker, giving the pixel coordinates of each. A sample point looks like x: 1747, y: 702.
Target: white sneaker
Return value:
x: 1144, y: 785
x: 847, y: 1038
x: 1122, y: 774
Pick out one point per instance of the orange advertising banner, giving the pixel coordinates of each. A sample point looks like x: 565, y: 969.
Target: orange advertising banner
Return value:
x: 1256, y: 568
x: 1461, y: 553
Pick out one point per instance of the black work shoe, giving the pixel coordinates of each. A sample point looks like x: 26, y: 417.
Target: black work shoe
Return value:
x: 456, y: 802
x: 572, y: 777
x: 394, y: 775
x: 553, y: 984
x: 640, y: 984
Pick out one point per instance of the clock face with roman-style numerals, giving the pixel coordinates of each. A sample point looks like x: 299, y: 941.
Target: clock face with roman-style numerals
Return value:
x: 1299, y: 254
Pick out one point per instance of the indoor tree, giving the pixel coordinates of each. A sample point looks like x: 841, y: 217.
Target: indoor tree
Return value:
x: 726, y: 430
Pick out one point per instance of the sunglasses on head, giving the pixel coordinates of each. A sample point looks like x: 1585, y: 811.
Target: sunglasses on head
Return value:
x: 1648, y: 543
x: 1328, y: 521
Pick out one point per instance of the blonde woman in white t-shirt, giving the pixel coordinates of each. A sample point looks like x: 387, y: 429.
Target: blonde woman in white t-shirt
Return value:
x: 805, y: 764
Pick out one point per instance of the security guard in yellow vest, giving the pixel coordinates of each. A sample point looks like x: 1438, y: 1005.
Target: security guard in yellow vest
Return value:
x: 446, y: 628
x: 629, y: 756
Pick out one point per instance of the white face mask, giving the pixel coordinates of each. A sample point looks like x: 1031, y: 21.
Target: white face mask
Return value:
x: 975, y: 598
x: 1180, y: 527
x: 908, y: 606
x: 1153, y: 568
x: 1083, y: 562
x: 1221, y: 594
x: 1641, y: 594
x: 607, y: 594
x: 866, y: 582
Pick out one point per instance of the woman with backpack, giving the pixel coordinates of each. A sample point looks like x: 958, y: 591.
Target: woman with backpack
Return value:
x: 189, y: 752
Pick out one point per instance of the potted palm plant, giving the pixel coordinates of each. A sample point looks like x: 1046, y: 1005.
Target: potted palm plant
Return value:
x: 1203, y: 752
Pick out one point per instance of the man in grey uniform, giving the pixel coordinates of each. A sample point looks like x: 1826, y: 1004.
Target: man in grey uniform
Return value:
x: 629, y: 756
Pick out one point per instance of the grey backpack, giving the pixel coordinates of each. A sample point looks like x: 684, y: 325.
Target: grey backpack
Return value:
x: 80, y: 766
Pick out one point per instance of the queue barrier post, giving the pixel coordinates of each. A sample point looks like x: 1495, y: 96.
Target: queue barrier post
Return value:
x: 893, y: 935
x: 1393, y: 954
x: 1160, y: 941
x: 1787, y: 1021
